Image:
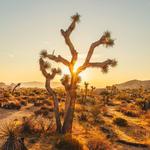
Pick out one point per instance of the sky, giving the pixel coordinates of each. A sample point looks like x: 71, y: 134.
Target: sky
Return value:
x: 28, y: 26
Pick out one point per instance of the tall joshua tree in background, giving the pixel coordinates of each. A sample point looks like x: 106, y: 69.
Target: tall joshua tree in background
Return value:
x: 92, y: 89
x: 70, y: 82
x: 86, y: 84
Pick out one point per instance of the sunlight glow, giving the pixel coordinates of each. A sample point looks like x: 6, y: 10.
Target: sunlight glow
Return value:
x: 65, y: 70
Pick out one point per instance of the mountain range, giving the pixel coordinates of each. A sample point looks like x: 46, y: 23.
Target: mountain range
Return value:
x: 132, y: 84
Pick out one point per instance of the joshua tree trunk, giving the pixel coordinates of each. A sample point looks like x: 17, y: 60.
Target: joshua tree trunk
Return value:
x: 67, y: 102
x: 56, y: 105
x: 68, y: 120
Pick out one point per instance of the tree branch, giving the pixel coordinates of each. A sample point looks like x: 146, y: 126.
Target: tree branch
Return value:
x: 66, y: 35
x: 104, y: 40
x: 91, y: 50
x: 42, y: 68
x: 103, y: 65
x: 58, y: 58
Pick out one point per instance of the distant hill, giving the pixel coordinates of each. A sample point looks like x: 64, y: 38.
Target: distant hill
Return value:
x: 34, y: 84
x: 134, y: 84
x: 39, y: 84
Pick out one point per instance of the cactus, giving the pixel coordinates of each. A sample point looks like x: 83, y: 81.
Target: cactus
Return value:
x: 71, y: 84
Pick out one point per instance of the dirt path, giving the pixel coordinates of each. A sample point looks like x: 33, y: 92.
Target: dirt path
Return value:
x: 7, y: 115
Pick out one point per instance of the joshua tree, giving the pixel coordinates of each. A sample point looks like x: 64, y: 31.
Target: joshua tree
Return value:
x: 71, y: 81
x: 86, y: 84
x: 92, y: 89
x: 50, y: 76
x: 15, y: 88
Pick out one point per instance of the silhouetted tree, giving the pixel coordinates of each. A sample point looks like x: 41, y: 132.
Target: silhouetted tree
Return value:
x: 71, y: 81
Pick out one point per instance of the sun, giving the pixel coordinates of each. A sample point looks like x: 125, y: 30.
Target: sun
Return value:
x: 65, y: 70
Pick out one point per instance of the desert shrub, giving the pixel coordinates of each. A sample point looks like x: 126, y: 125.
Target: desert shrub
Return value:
x: 108, y: 130
x: 131, y: 110
x: 124, y: 96
x: 144, y: 103
x: 7, y: 94
x: 45, y: 125
x: 27, y: 126
x: 17, y: 93
x: 12, y: 140
x: 32, y: 94
x: 98, y: 144
x: 36, y: 91
x: 95, y: 112
x: 23, y: 102
x: 48, y: 102
x: 37, y: 126
x: 68, y: 143
x: 83, y: 117
x: 37, y: 103
x: 88, y: 100
x: 82, y: 101
x: 12, y: 105
x: 131, y: 113
x: 32, y: 100
x: 44, y: 111
x: 120, y: 122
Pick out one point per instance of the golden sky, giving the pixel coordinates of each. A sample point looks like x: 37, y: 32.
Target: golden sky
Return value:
x: 29, y: 26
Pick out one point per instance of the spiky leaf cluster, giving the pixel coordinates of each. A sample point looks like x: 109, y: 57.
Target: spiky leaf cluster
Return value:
x: 113, y: 63
x: 46, y: 65
x: 57, y: 71
x: 65, y: 79
x: 8, y: 129
x: 76, y: 17
x: 105, y: 69
x: 43, y: 53
x: 107, y: 40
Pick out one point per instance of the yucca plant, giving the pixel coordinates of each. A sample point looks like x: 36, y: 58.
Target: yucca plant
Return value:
x: 9, y: 133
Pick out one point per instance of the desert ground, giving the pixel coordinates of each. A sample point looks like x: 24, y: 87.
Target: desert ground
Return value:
x: 110, y: 119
